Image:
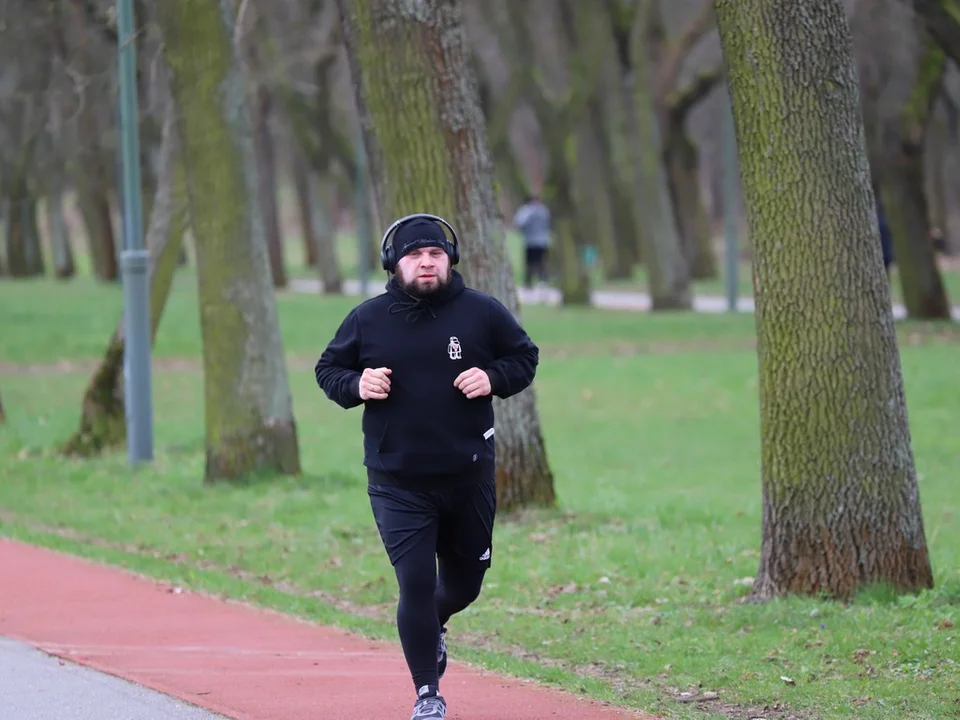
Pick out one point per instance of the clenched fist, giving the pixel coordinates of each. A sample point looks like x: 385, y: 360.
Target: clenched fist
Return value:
x: 375, y: 383
x: 473, y: 383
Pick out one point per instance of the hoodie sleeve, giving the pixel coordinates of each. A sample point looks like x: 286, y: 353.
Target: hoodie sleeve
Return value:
x: 338, y: 369
x: 515, y: 355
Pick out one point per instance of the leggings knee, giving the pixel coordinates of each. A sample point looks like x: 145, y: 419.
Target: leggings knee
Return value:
x: 416, y: 581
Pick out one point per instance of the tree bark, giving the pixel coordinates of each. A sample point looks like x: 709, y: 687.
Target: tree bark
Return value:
x: 24, y: 251
x: 267, y: 175
x: 102, y: 414
x: 331, y: 278
x: 300, y: 172
x: 936, y: 153
x: 249, y: 415
x: 841, y: 506
x: 425, y: 138
x: 64, y: 266
x: 612, y: 198
x: 669, y: 276
x: 90, y: 178
x: 942, y: 18
x: 674, y: 102
x: 682, y: 159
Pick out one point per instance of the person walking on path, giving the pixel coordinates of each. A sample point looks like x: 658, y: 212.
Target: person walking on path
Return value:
x: 425, y: 360
x: 532, y: 219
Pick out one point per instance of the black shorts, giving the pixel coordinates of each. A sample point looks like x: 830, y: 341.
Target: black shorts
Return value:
x: 456, y: 522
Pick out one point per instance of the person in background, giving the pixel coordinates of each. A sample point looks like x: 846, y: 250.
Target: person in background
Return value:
x: 532, y: 219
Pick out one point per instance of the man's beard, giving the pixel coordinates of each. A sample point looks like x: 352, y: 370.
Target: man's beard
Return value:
x: 414, y: 290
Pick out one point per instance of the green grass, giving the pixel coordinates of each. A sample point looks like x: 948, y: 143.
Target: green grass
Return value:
x: 631, y: 591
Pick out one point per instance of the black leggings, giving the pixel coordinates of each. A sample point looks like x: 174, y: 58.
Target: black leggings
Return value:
x: 427, y: 602
x: 440, y: 544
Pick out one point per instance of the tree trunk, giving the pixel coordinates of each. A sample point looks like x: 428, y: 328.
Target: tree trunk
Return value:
x: 899, y: 169
x: 937, y: 151
x: 16, y: 250
x: 267, y: 185
x: 102, y: 415
x: 249, y: 415
x: 427, y: 145
x: 667, y: 270
x: 619, y: 264
x: 24, y: 251
x: 300, y: 172
x: 942, y: 18
x: 3, y: 415
x: 64, y: 266
x: 841, y: 506
x: 36, y: 265
x: 93, y: 197
x: 325, y: 214
x: 592, y: 200
x: 683, y: 172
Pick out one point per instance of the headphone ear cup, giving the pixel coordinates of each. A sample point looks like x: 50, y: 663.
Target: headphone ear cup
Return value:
x: 454, y: 254
x: 386, y: 259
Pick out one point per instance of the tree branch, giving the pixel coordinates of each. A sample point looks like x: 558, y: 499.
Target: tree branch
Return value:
x: 942, y: 18
x: 677, y: 49
x: 682, y: 100
x: 103, y: 21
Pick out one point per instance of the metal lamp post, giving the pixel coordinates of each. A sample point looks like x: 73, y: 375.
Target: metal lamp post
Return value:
x: 134, y: 259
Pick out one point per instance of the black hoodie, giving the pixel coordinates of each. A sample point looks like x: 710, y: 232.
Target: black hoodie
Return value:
x: 427, y: 428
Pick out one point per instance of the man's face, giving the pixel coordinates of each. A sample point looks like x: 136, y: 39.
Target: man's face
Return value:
x: 424, y: 271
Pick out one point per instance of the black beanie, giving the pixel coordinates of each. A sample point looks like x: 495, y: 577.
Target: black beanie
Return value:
x: 420, y: 233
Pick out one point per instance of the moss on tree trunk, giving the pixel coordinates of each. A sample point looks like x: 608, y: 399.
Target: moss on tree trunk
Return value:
x: 841, y: 506
x: 425, y: 137
x: 248, y: 408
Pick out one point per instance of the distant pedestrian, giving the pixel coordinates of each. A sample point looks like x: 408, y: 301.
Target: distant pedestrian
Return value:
x: 425, y: 360
x: 532, y: 219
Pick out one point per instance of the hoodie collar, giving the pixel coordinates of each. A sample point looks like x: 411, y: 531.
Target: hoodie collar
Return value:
x: 416, y: 306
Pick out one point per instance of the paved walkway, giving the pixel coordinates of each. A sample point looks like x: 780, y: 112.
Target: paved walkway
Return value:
x: 231, y: 658
x: 37, y: 686
x: 608, y: 299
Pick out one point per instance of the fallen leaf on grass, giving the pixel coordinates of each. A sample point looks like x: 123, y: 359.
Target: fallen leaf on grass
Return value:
x: 687, y: 697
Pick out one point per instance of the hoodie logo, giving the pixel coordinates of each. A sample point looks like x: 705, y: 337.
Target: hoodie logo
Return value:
x: 453, y: 349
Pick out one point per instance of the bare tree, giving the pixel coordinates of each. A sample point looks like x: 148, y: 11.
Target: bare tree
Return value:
x: 841, y: 506
x: 901, y: 70
x: 666, y: 265
x: 102, y: 414
x: 26, y: 56
x: 249, y: 415
x: 419, y: 106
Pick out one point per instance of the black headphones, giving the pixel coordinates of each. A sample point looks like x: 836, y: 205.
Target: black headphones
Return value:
x: 388, y: 256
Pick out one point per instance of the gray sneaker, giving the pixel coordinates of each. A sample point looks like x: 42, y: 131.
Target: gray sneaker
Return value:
x: 430, y: 708
x: 442, y: 653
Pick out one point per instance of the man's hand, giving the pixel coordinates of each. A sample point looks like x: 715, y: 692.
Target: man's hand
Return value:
x: 473, y: 383
x: 375, y: 384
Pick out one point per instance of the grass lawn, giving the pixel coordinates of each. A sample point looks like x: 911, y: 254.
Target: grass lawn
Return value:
x: 631, y: 591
